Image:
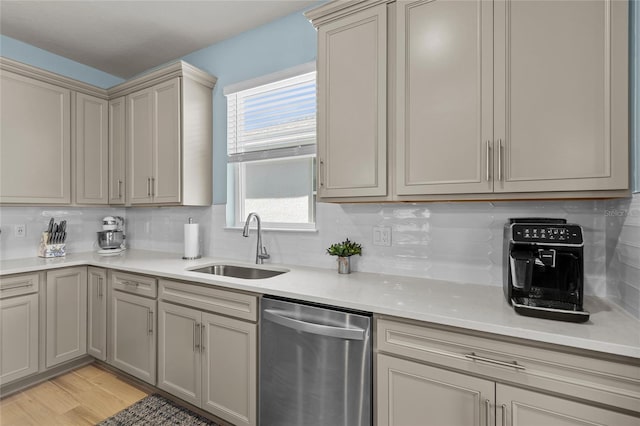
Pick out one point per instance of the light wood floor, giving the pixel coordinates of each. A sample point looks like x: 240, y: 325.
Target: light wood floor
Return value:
x: 84, y: 396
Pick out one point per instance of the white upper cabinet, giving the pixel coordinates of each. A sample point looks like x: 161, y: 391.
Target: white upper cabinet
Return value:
x: 444, y: 104
x: 167, y: 148
x: 146, y: 141
x: 487, y: 99
x: 35, y: 141
x: 117, y: 151
x: 169, y: 137
x: 561, y: 95
x: 140, y: 146
x: 91, y: 150
x: 352, y: 105
x: 154, y: 144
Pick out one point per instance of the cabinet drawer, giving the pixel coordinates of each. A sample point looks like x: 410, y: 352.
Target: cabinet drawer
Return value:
x: 15, y: 285
x: 133, y: 283
x: 231, y: 303
x: 609, y: 380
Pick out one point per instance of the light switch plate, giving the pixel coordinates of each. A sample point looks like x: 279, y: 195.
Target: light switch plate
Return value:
x: 382, y: 236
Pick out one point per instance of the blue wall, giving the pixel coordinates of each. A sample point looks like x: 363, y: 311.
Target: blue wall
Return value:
x: 28, y: 54
x: 276, y: 46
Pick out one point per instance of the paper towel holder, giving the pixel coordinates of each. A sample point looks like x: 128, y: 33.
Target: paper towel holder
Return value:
x: 194, y: 257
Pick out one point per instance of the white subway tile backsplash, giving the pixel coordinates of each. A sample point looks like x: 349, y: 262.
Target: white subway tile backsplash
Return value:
x: 622, y: 253
x: 452, y: 241
x: 82, y: 225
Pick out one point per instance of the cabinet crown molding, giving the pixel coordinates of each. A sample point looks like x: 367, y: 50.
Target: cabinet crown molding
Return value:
x: 339, y: 8
x: 174, y: 69
x: 7, y: 64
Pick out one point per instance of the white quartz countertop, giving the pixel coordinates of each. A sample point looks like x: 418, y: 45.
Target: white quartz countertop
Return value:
x: 470, y: 306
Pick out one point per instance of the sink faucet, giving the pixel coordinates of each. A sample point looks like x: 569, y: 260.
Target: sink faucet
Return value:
x: 261, y: 251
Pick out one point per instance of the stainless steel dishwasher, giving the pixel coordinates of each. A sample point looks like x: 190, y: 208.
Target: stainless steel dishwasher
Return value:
x: 315, y: 366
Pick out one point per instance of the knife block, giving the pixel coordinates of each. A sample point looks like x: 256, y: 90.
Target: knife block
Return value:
x: 51, y: 250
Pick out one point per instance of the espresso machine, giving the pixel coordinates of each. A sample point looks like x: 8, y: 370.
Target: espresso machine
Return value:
x: 543, y: 268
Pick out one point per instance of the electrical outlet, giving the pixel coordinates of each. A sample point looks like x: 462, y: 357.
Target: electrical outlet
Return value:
x: 382, y: 236
x: 21, y: 230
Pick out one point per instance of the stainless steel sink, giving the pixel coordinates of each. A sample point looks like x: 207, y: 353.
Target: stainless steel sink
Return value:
x: 235, y: 271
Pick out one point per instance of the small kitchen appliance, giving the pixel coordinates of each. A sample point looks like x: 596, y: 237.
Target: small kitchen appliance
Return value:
x: 111, y: 238
x: 543, y: 268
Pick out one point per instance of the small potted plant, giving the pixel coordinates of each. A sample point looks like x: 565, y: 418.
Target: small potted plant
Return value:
x: 344, y: 251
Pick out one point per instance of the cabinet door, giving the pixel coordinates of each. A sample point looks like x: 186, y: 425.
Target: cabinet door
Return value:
x: 140, y: 136
x: 91, y: 150
x: 230, y: 367
x: 444, y: 97
x: 117, y: 137
x: 133, y: 335
x: 35, y: 141
x: 66, y: 328
x: 352, y: 105
x: 519, y: 407
x: 179, y: 358
x: 165, y: 182
x: 413, y: 394
x: 561, y: 95
x: 18, y: 337
x: 97, y: 313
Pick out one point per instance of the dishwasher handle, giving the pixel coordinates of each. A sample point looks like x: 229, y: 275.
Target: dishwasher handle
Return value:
x: 309, y: 327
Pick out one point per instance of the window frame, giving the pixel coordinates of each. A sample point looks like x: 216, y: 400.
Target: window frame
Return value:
x: 236, y: 185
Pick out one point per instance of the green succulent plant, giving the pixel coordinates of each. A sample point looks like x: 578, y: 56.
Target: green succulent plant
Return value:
x: 345, y: 249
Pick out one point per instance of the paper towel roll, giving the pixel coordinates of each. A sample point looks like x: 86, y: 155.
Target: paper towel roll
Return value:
x: 191, y: 241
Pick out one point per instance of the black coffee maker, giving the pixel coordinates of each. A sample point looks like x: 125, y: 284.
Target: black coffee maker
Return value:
x: 543, y: 268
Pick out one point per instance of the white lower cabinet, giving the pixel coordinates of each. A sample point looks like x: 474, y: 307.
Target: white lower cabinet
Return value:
x: 66, y: 315
x: 133, y: 335
x: 521, y: 407
x: 18, y: 326
x: 97, y: 313
x: 410, y: 393
x: 206, y: 359
x: 433, y: 376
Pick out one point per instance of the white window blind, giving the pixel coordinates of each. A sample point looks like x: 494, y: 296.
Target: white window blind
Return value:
x: 272, y: 120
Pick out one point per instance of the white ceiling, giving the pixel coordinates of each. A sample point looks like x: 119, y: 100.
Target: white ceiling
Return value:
x: 124, y: 38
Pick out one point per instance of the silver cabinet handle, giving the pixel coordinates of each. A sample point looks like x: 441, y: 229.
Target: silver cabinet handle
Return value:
x: 153, y: 187
x: 201, y: 337
x: 309, y: 327
x: 321, y: 173
x: 504, y: 414
x: 133, y: 283
x: 487, y: 406
x: 150, y: 322
x: 500, y: 160
x: 119, y: 189
x: 100, y: 287
x: 197, y: 337
x: 148, y: 187
x: 472, y: 356
x: 195, y: 324
x: 488, y: 160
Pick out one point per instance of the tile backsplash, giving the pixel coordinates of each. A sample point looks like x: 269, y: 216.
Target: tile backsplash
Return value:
x: 623, y: 253
x: 450, y: 241
x: 82, y: 225
x: 459, y: 242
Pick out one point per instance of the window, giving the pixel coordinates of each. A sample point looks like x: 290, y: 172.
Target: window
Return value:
x: 271, y: 147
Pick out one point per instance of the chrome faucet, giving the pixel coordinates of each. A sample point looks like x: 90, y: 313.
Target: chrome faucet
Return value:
x: 261, y: 251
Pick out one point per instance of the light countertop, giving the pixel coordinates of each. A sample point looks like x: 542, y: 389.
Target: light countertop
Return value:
x: 470, y: 306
